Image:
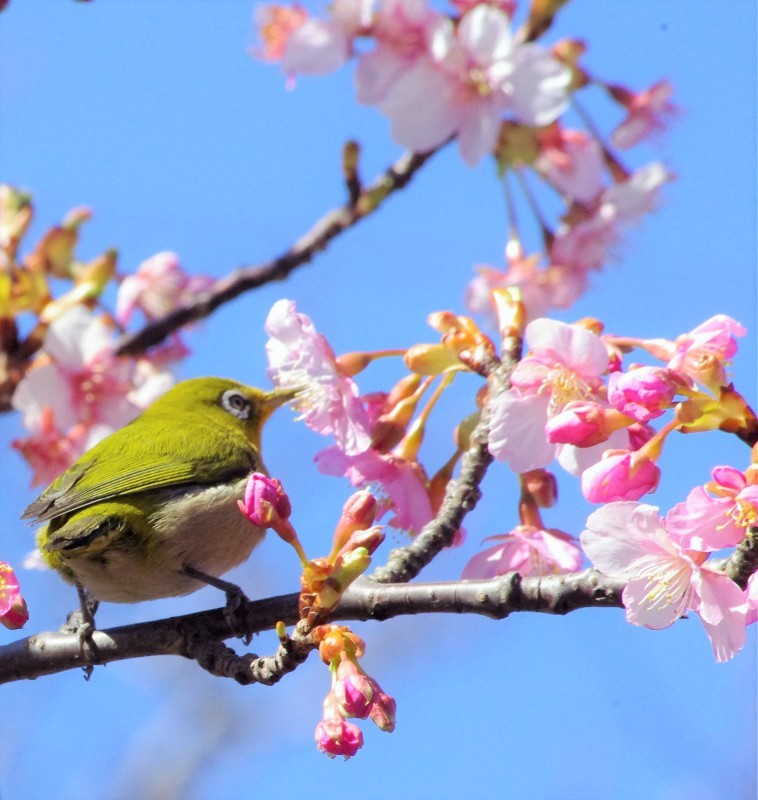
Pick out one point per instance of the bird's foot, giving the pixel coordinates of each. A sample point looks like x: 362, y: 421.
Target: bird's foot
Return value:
x: 82, y: 623
x: 235, y: 600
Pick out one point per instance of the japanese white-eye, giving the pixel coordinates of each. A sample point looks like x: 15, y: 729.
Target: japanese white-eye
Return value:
x: 159, y: 496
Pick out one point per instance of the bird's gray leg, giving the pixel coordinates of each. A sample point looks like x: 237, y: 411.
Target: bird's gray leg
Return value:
x: 234, y: 595
x: 82, y: 623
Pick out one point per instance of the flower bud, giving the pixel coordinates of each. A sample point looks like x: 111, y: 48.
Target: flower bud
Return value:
x: 353, y: 691
x: 266, y: 503
x: 13, y: 611
x: 338, y: 737
x: 542, y: 486
x: 382, y: 712
x: 643, y: 393
x: 620, y: 475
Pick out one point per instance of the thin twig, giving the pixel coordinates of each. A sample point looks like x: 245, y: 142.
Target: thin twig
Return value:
x: 331, y: 225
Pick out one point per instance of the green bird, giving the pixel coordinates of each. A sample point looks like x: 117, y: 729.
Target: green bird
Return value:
x: 151, y: 511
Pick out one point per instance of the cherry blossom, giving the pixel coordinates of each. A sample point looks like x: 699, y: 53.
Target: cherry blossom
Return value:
x: 300, y: 357
x: 564, y: 363
x: 718, y: 514
x: 702, y: 354
x: 403, y: 31
x: 83, y: 383
x: 474, y: 74
x: 543, y: 288
x: 528, y: 550
x: 158, y: 286
x: 585, y: 241
x: 402, y: 484
x: 320, y: 46
x: 629, y: 540
x: 646, y: 112
x: 572, y: 161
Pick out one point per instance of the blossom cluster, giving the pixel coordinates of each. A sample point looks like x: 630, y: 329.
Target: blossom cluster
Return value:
x: 475, y: 76
x: 70, y: 386
x: 372, y: 446
x: 571, y: 400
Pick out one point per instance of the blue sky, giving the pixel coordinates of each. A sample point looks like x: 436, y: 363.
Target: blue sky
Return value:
x: 155, y: 116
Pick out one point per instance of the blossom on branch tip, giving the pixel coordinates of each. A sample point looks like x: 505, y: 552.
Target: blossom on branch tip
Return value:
x: 630, y: 541
x: 718, y: 514
x: 335, y: 736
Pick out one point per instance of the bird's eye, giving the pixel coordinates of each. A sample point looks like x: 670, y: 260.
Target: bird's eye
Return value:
x: 236, y: 403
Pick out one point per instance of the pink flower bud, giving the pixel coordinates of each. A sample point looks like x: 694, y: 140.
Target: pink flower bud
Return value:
x: 265, y: 503
x: 382, y: 712
x: 337, y: 737
x: 358, y: 513
x: 581, y: 423
x: 13, y: 610
x: 620, y: 475
x: 354, y: 693
x: 542, y: 486
x: 643, y: 393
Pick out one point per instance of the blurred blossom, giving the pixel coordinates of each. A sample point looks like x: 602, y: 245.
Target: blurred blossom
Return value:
x: 157, y: 287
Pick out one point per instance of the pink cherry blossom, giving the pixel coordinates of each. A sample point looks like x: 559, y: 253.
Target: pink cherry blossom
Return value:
x: 158, y: 286
x: 13, y: 611
x: 275, y: 26
x: 586, y: 243
x: 403, y: 31
x: 564, y: 363
x: 402, y: 489
x: 629, y: 540
x: 718, y: 514
x: 702, y: 354
x: 751, y: 595
x: 335, y: 736
x: 573, y: 162
x: 647, y: 111
x: 643, y: 393
x: 48, y: 450
x: 81, y: 382
x: 543, y: 288
x: 320, y: 46
x: 620, y: 475
x: 473, y: 75
x: 527, y: 550
x: 300, y: 357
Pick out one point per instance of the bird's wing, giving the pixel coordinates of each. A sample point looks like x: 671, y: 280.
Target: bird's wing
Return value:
x: 179, y: 454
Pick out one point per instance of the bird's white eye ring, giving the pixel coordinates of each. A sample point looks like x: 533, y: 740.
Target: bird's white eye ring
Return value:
x: 236, y: 403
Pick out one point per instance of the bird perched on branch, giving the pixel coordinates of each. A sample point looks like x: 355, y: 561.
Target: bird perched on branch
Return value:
x: 151, y: 511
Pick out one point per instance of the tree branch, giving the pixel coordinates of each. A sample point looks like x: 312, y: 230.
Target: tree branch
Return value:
x: 199, y: 635
x: 331, y: 225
